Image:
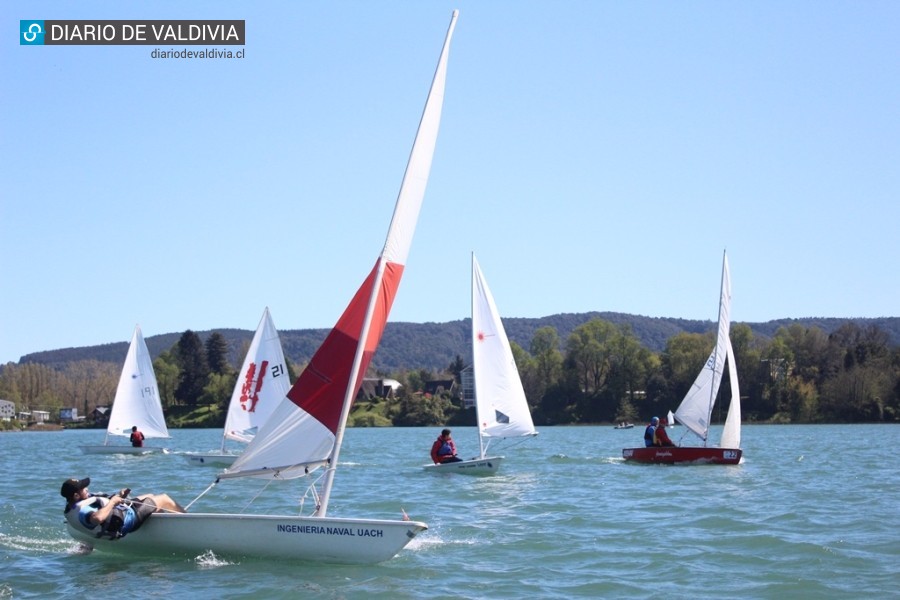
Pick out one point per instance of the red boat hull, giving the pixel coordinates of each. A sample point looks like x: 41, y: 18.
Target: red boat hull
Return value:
x: 683, y: 455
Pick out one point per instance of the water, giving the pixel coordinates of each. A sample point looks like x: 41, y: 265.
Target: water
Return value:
x: 812, y: 513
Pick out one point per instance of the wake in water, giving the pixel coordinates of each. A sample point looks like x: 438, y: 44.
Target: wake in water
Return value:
x: 432, y: 539
x: 208, y: 560
x: 42, y: 544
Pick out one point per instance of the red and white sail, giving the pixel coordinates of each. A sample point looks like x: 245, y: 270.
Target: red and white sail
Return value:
x: 261, y: 385
x: 307, y: 428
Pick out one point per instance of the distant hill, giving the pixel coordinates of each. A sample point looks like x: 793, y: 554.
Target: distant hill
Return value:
x: 435, y: 345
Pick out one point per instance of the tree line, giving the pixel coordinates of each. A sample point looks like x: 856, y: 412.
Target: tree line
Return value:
x: 600, y: 373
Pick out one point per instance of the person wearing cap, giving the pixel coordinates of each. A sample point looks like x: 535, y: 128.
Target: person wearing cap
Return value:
x: 650, y: 432
x: 443, y: 450
x: 660, y: 437
x: 112, y: 515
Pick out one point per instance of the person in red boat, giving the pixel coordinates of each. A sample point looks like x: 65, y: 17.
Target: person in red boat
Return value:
x: 443, y: 450
x: 660, y: 437
x: 650, y: 432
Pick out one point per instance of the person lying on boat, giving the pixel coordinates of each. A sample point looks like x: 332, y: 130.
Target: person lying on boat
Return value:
x: 660, y: 437
x: 650, y: 432
x: 443, y: 450
x: 111, y: 515
x: 137, y: 438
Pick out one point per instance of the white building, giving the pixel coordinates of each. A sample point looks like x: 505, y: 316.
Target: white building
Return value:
x: 7, y: 410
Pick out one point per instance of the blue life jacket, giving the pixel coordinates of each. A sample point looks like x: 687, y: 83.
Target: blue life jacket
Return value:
x: 445, y: 449
x: 649, y: 434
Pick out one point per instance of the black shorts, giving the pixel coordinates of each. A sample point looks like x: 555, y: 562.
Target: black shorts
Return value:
x: 142, y: 509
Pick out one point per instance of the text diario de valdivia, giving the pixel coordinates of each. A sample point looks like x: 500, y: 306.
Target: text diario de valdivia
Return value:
x: 144, y: 32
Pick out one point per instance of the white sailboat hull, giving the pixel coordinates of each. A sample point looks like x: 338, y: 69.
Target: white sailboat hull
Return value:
x: 113, y: 449
x: 325, y: 539
x: 476, y: 466
x: 209, y: 459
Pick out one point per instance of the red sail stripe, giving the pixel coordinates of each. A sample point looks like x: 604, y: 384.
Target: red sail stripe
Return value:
x: 320, y: 388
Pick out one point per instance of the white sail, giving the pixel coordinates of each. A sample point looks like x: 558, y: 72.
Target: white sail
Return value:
x: 137, y: 401
x: 731, y: 434
x: 695, y: 410
x: 501, y: 407
x: 261, y: 385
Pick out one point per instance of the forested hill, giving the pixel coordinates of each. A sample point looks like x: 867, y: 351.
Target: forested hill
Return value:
x: 435, y: 345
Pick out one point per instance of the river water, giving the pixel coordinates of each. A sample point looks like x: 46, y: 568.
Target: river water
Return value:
x: 812, y: 512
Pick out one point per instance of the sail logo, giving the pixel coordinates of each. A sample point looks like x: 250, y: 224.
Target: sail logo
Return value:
x: 31, y: 33
x: 118, y: 32
x: 250, y: 389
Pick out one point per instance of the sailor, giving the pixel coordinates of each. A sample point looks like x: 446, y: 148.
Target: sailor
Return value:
x: 137, y: 438
x: 443, y: 450
x: 650, y: 432
x: 113, y: 515
x: 660, y: 437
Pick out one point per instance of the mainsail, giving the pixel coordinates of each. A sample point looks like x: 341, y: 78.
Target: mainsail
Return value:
x: 137, y: 401
x: 499, y: 397
x: 261, y: 384
x: 306, y: 429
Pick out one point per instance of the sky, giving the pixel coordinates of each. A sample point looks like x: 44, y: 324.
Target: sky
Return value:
x: 594, y: 155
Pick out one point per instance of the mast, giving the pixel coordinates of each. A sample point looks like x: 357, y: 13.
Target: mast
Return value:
x: 396, y: 246
x: 474, y: 366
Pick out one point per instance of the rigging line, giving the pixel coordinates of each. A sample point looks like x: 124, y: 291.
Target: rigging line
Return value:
x: 312, y: 492
x: 158, y: 508
x: 203, y: 493
x: 253, y: 499
x: 513, y: 442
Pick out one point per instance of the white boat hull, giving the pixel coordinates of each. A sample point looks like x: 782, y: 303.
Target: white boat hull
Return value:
x: 476, y: 466
x: 210, y: 459
x: 329, y: 540
x: 113, y: 449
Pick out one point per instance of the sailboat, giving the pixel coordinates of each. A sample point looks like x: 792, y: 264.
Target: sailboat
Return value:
x: 307, y: 429
x: 261, y: 385
x: 671, y: 419
x: 137, y: 403
x: 500, y: 404
x: 695, y: 411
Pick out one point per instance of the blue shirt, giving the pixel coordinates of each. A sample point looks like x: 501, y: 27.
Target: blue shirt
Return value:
x: 87, y: 507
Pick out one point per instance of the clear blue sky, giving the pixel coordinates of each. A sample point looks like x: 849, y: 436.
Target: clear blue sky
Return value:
x: 596, y: 156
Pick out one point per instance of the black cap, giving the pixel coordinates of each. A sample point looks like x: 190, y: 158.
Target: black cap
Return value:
x: 70, y: 486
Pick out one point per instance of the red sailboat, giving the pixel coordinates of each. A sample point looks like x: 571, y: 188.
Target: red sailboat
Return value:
x: 695, y: 411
